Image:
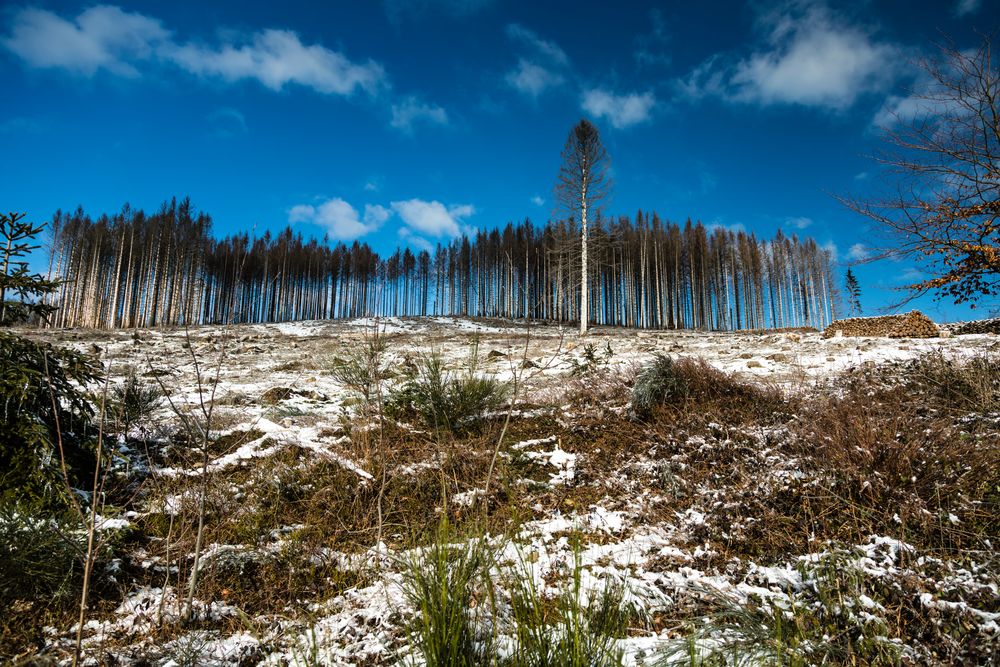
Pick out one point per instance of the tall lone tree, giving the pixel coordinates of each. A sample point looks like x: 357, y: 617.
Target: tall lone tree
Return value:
x: 581, y: 187
x: 853, y: 292
x: 943, y: 207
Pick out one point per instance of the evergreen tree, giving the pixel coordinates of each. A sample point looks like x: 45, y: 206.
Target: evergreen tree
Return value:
x: 15, y: 279
x: 45, y: 419
x: 853, y: 293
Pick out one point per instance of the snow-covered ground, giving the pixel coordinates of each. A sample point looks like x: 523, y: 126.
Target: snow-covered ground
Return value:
x: 665, y: 561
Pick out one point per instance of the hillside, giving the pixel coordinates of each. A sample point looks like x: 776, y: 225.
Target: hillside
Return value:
x: 758, y: 494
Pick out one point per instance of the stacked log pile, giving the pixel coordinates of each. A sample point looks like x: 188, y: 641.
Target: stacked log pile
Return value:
x: 911, y: 325
x: 977, y: 327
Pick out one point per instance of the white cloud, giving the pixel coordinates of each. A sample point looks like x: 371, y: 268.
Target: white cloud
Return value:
x: 861, y: 176
x: 532, y: 79
x: 808, y: 56
x: 419, y: 242
x: 800, y: 222
x: 538, y: 201
x: 434, y: 218
x: 100, y: 37
x: 708, y: 78
x: 341, y: 220
x: 548, y: 50
x: 858, y: 252
x: 966, y: 7
x: 109, y: 38
x: 927, y: 102
x: 412, y: 111
x: 620, y: 110
x: 276, y: 58
x: 301, y: 213
x: 541, y: 68
x: 831, y: 248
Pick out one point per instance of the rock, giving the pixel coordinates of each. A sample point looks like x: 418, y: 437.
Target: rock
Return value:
x: 495, y: 354
x: 753, y: 363
x: 782, y: 358
x: 746, y: 355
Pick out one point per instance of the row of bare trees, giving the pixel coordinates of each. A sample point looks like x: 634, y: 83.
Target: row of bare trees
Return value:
x: 135, y: 269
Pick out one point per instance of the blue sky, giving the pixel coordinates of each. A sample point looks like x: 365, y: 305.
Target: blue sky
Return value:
x: 412, y: 121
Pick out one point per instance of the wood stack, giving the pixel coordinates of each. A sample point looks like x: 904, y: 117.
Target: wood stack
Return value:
x: 911, y: 325
x: 978, y: 327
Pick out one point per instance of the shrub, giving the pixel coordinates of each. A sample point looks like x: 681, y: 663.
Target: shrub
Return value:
x: 40, y: 557
x: 832, y: 620
x: 447, y: 585
x: 578, y: 628
x: 590, y: 361
x: 446, y: 400
x: 657, y: 383
x: 133, y: 401
x: 363, y: 367
x: 694, y: 387
x: 903, y: 457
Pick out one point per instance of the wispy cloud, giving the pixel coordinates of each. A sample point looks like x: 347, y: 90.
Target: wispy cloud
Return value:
x: 409, y: 238
x: 800, y: 222
x: 533, y: 79
x: 341, y: 220
x: 650, y: 46
x: 538, y: 200
x: 412, y: 111
x: 807, y: 55
x: 227, y: 122
x: 620, y: 110
x: 108, y: 38
x: 966, y: 7
x: 540, y: 68
x: 550, y: 50
x: 858, y: 252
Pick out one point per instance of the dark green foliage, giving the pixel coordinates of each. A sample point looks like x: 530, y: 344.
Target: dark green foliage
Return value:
x: 40, y: 557
x: 446, y: 400
x: 15, y: 279
x: 590, y: 361
x: 656, y: 384
x: 42, y: 407
x: 133, y: 401
x: 853, y: 293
